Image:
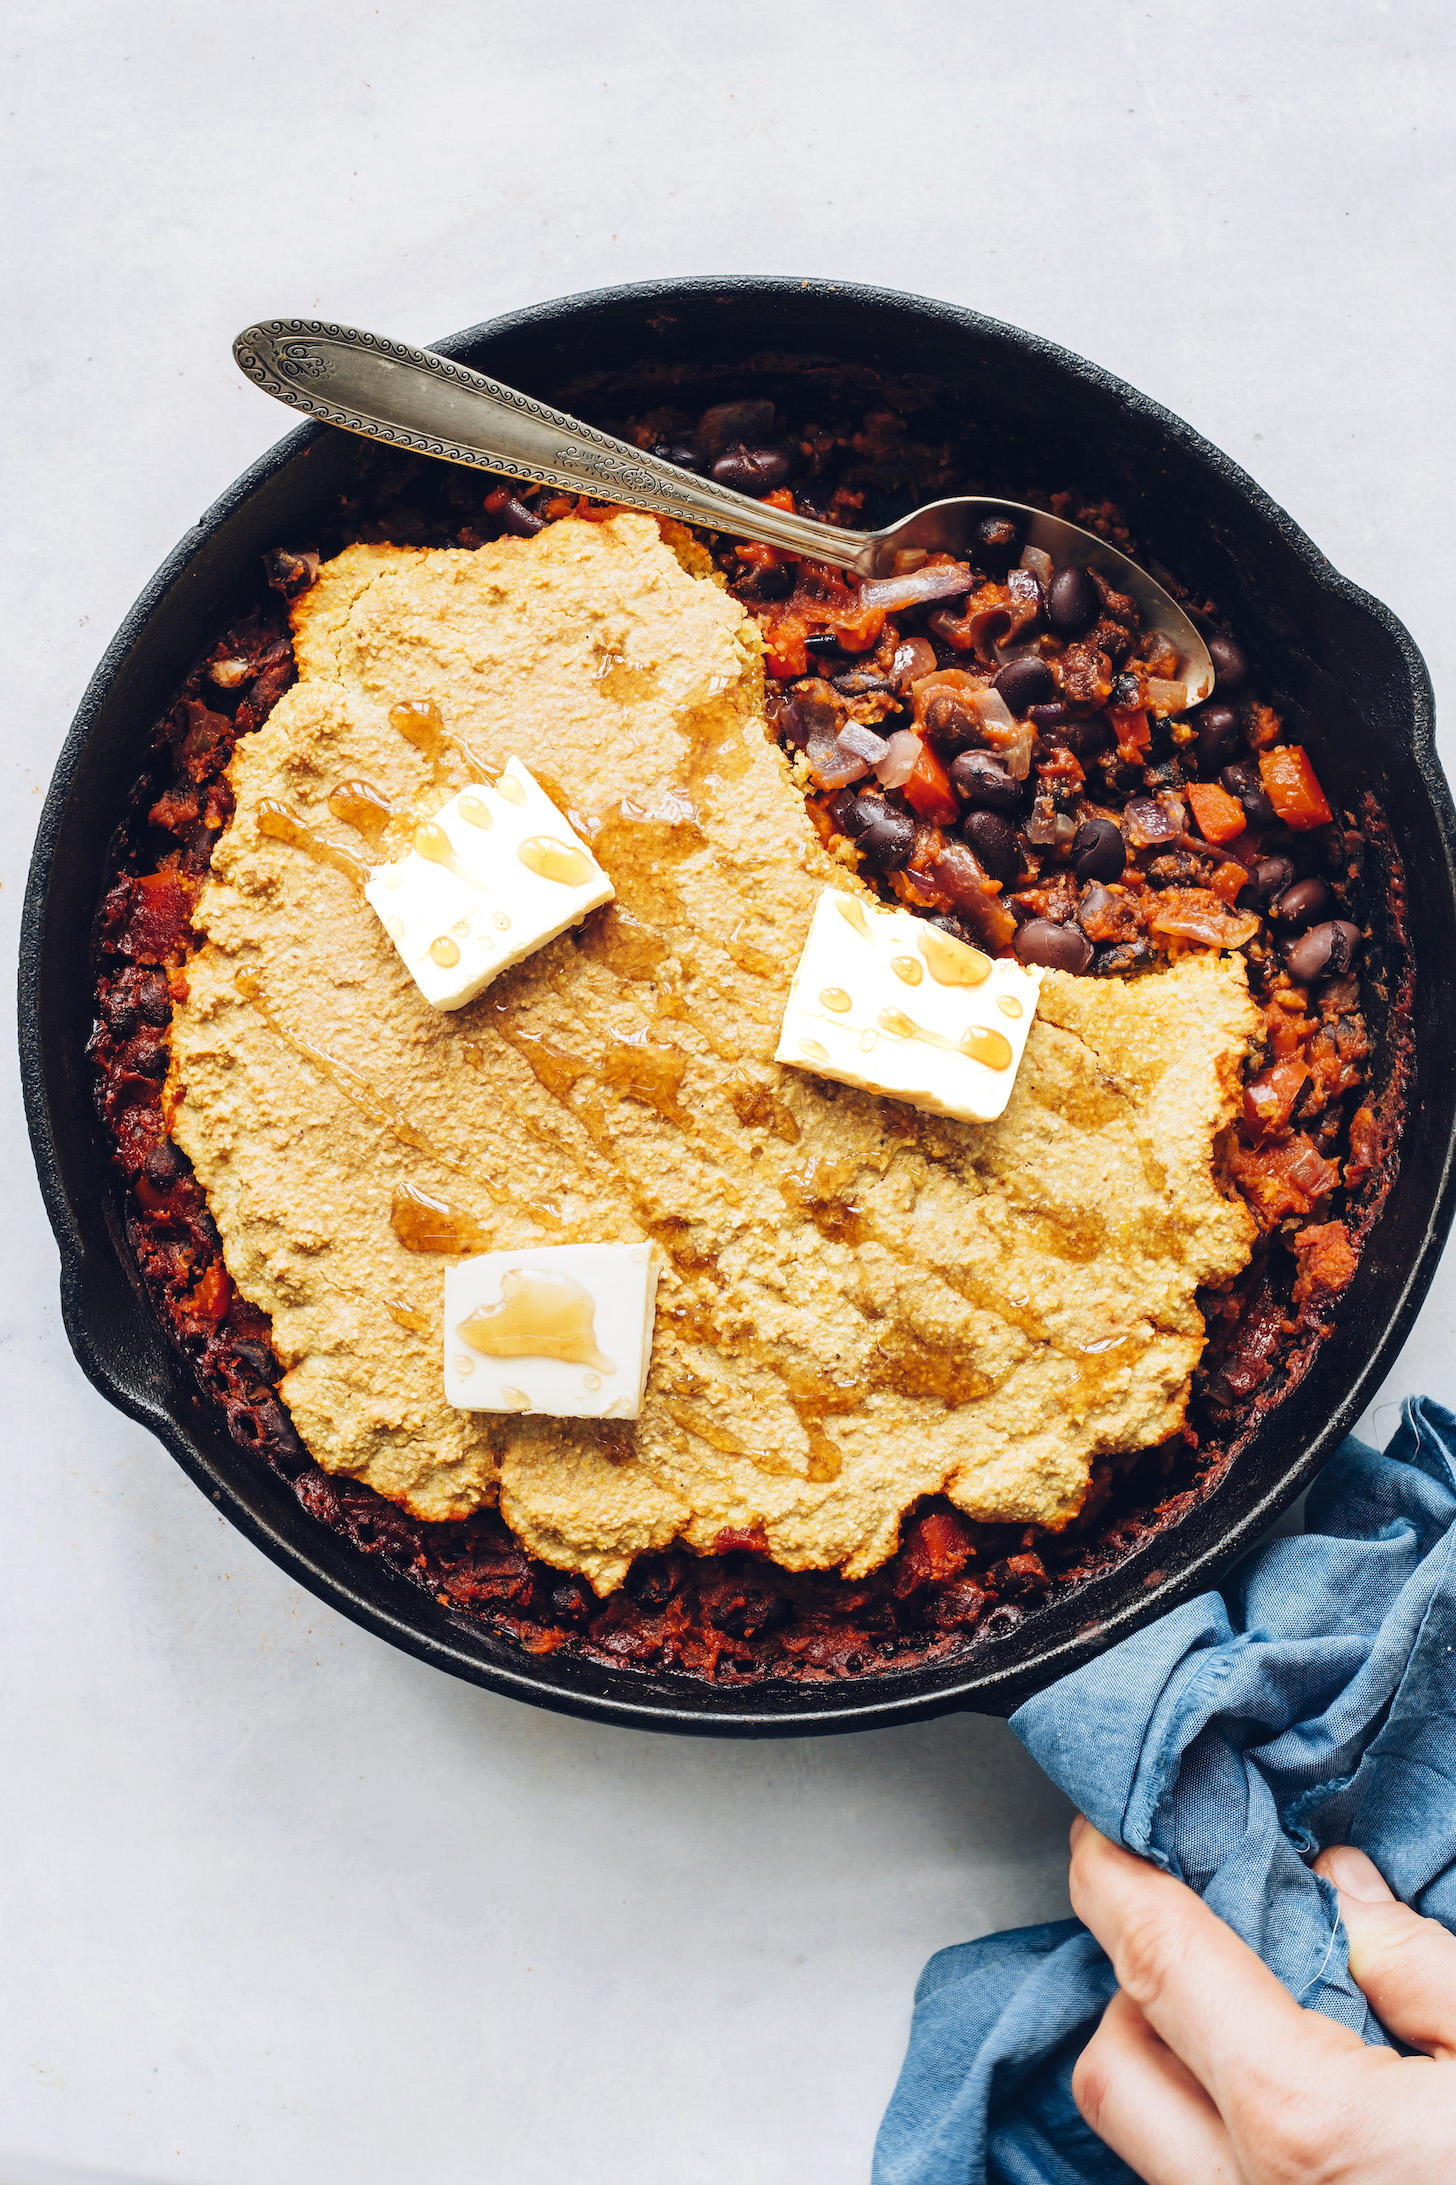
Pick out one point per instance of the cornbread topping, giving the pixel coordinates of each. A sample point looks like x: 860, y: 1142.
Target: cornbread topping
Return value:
x: 860, y: 1304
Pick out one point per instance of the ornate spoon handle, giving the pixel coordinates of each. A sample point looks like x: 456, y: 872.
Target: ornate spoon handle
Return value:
x: 412, y: 398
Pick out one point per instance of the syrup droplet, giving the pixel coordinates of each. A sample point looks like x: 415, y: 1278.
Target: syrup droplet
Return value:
x: 867, y: 1039
x: 553, y: 860
x: 949, y: 961
x: 363, y: 807
x: 908, y: 968
x: 515, y: 1399
x: 424, y: 1223
x: 432, y: 842
x: 280, y: 825
x: 992, y: 1048
x: 835, y: 998
x: 591, y: 1380
x: 539, y: 1316
x: 853, y: 914
x: 813, y: 1049
x: 395, y: 928
x: 462, y: 1364
x: 500, y: 921
x: 407, y: 1316
x: 444, y: 951
x: 476, y: 811
x: 1008, y: 1005
x: 512, y: 790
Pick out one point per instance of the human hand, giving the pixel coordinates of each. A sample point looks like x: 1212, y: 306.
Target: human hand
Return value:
x: 1205, y: 2068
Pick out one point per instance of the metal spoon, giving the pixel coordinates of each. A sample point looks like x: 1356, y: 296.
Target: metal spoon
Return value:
x: 416, y: 399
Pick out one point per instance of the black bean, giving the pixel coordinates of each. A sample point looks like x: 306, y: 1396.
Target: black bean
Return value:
x: 1272, y: 875
x: 822, y: 643
x: 164, y: 1165
x: 120, y: 1014
x: 1325, y: 951
x: 1305, y: 904
x: 150, y: 1061
x: 886, y: 835
x: 1117, y: 956
x: 753, y: 470
x: 728, y: 424
x: 1072, y: 602
x: 1126, y: 691
x: 1219, y: 735
x: 1026, y: 683
x: 949, y: 722
x: 774, y: 582
x: 1098, y: 851
x: 860, y: 682
x: 1230, y: 663
x: 1242, y: 781
x: 955, y: 927
x: 572, y: 1600
x: 994, y: 843
x: 520, y: 521
x: 995, y: 544
x: 843, y: 810
x: 683, y: 454
x: 1056, y: 948
x: 153, y: 999
x: 1051, y: 716
x: 983, y: 781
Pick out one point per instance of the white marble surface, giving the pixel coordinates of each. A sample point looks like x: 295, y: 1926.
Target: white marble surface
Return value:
x: 279, y: 1902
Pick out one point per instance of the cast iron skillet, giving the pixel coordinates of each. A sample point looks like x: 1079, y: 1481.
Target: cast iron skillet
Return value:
x: 1359, y: 690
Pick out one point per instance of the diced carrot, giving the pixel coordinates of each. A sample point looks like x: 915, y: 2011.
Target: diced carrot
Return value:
x: 787, y: 654
x: 1130, y: 726
x: 1228, y: 882
x: 759, y: 556
x: 780, y: 497
x: 928, y: 791
x: 210, y: 1298
x: 1220, y: 817
x: 1292, y: 787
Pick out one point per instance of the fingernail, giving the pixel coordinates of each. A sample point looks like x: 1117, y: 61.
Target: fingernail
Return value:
x: 1356, y: 1876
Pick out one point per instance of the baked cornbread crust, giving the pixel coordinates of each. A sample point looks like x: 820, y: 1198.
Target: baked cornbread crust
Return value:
x: 860, y: 1305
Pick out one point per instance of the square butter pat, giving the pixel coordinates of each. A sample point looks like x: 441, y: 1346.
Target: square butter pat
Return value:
x: 560, y: 1328
x: 883, y: 1000
x: 491, y: 878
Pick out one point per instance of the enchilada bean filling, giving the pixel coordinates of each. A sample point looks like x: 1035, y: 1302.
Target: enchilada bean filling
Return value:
x: 1010, y: 760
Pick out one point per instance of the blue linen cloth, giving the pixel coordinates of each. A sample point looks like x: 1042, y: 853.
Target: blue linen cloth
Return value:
x: 1310, y: 1702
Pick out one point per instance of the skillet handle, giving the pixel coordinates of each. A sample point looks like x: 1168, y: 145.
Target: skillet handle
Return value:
x: 415, y: 399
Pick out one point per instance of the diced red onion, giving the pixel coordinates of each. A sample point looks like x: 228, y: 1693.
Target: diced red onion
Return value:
x: 831, y: 767
x: 1165, y: 698
x: 1038, y: 561
x: 991, y: 706
x: 901, y: 752
x: 1022, y: 584
x: 1311, y: 1173
x: 1041, y: 828
x: 910, y: 557
x: 861, y: 742
x: 1014, y: 752
x: 1147, y: 820
x: 943, y: 582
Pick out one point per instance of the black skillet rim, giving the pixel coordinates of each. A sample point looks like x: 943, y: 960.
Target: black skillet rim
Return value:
x: 973, y: 1682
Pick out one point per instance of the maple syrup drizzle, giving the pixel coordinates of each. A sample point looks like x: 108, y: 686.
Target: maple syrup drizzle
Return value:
x: 949, y: 961
x: 475, y: 812
x: 364, y: 808
x: 554, y: 860
x: 280, y: 825
x: 513, y: 791
x: 420, y: 722
x: 853, y: 913
x: 444, y: 951
x: 539, y: 1316
x: 908, y: 968
x: 1009, y: 1006
x: 835, y: 998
